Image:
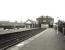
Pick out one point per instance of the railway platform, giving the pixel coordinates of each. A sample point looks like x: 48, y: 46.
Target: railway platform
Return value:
x: 10, y: 39
x: 8, y: 31
x: 46, y: 40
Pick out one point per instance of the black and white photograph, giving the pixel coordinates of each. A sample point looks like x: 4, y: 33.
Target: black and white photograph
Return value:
x: 32, y: 24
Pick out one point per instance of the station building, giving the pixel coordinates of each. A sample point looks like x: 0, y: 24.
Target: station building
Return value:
x: 30, y: 24
x: 45, y: 21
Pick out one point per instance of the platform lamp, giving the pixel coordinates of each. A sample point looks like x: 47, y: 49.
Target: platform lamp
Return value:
x: 57, y: 24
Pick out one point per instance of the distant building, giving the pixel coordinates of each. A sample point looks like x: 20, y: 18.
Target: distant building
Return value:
x: 45, y: 21
x: 9, y: 25
x: 30, y: 24
x: 4, y: 23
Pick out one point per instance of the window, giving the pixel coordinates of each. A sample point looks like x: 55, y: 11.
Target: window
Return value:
x: 44, y: 17
x: 44, y: 20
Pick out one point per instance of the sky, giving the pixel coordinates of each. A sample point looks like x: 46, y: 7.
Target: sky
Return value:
x: 21, y: 10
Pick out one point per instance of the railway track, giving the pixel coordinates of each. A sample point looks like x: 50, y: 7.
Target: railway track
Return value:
x: 8, y: 40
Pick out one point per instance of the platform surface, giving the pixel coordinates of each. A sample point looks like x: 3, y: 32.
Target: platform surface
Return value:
x: 14, y: 30
x: 46, y: 40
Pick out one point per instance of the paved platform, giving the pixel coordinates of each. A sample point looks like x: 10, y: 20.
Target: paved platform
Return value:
x: 14, y: 30
x: 46, y: 40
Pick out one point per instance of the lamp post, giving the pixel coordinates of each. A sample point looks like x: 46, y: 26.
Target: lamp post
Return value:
x: 57, y: 24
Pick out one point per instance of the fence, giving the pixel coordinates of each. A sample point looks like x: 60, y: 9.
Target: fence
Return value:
x: 61, y: 27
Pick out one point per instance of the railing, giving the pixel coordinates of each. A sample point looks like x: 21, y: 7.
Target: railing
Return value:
x: 61, y: 27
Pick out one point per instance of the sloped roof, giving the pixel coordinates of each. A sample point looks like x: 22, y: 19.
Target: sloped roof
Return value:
x: 32, y: 22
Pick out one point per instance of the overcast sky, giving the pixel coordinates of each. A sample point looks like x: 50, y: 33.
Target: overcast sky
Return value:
x: 21, y: 10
